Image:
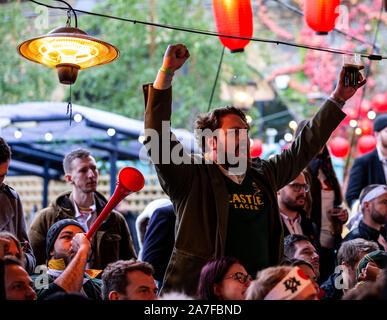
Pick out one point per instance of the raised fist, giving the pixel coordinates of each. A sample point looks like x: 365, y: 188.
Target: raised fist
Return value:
x: 175, y: 56
x: 80, y: 242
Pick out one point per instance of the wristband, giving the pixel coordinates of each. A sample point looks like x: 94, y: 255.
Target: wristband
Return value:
x: 340, y: 102
x: 167, y: 71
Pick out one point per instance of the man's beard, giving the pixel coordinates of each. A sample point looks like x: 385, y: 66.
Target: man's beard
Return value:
x: 377, y: 216
x: 67, y: 257
x: 292, y: 204
x: 236, y: 163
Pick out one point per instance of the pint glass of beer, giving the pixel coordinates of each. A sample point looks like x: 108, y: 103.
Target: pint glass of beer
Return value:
x: 352, y: 64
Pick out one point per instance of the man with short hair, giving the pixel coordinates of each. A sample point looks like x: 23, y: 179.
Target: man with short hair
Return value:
x: 370, y: 168
x: 348, y: 257
x: 111, y: 242
x: 297, y: 246
x: 11, y: 209
x: 68, y: 250
x: 291, y: 202
x: 17, y: 283
x: 128, y: 280
x: 225, y: 202
x: 373, y: 201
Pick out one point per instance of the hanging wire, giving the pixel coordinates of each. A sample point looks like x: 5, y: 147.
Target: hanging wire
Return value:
x: 70, y: 107
x: 68, y: 22
x: 366, y: 75
x: 215, y: 34
x: 216, y: 79
x: 298, y: 11
x: 62, y: 8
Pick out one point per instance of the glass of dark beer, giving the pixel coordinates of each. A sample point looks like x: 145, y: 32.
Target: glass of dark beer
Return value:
x: 352, y: 64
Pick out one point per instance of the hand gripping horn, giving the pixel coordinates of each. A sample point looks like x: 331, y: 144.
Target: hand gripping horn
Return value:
x: 129, y: 180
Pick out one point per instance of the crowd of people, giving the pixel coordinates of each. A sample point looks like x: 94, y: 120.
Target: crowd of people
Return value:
x: 232, y: 228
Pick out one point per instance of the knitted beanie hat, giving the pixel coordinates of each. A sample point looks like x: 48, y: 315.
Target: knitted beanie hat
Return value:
x: 54, y: 231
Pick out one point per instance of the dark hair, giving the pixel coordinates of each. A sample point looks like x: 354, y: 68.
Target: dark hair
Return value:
x: 9, y: 236
x: 289, y: 243
x: 114, y: 277
x: 12, y: 261
x: 70, y: 157
x: 213, y: 272
x: 213, y: 120
x: 294, y: 262
x: 5, y: 151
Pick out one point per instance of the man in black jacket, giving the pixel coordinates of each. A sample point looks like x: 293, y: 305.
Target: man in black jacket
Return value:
x: 291, y: 202
x: 159, y: 240
x: 372, y: 167
x: 373, y: 200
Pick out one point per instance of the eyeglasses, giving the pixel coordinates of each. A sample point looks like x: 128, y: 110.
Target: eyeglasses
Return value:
x: 241, y: 277
x: 297, y: 187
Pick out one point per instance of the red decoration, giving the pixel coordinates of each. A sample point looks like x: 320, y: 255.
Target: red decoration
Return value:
x: 366, y: 144
x: 351, y: 115
x: 379, y: 103
x: 286, y: 146
x: 364, y: 108
x: 234, y: 18
x: 256, y: 148
x: 367, y: 126
x: 339, y: 147
x: 321, y: 15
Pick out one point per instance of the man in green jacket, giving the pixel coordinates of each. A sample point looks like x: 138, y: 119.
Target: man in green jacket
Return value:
x: 111, y: 242
x: 225, y: 202
x: 68, y: 250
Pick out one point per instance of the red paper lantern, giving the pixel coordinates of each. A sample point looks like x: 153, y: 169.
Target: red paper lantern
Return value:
x: 234, y: 18
x: 366, y: 144
x: 339, y: 147
x: 379, y: 103
x: 366, y: 126
x: 256, y: 148
x: 321, y: 15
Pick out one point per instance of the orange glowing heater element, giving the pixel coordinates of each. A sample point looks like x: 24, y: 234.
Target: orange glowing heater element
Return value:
x: 68, y: 50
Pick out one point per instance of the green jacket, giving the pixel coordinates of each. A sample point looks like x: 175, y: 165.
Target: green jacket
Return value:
x: 111, y: 242
x: 92, y: 288
x: 200, y: 197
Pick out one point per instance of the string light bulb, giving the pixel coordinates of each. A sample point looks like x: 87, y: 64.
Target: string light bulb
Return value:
x: 111, y: 132
x: 78, y: 117
x: 358, y: 131
x: 48, y: 136
x: 371, y: 115
x: 288, y: 137
x: 18, y: 134
x: 293, y: 125
x: 353, y: 123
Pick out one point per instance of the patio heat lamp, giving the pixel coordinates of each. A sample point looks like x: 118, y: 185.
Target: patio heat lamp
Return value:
x: 69, y: 50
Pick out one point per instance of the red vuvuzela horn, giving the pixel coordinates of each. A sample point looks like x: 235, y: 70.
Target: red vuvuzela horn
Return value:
x: 129, y: 180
